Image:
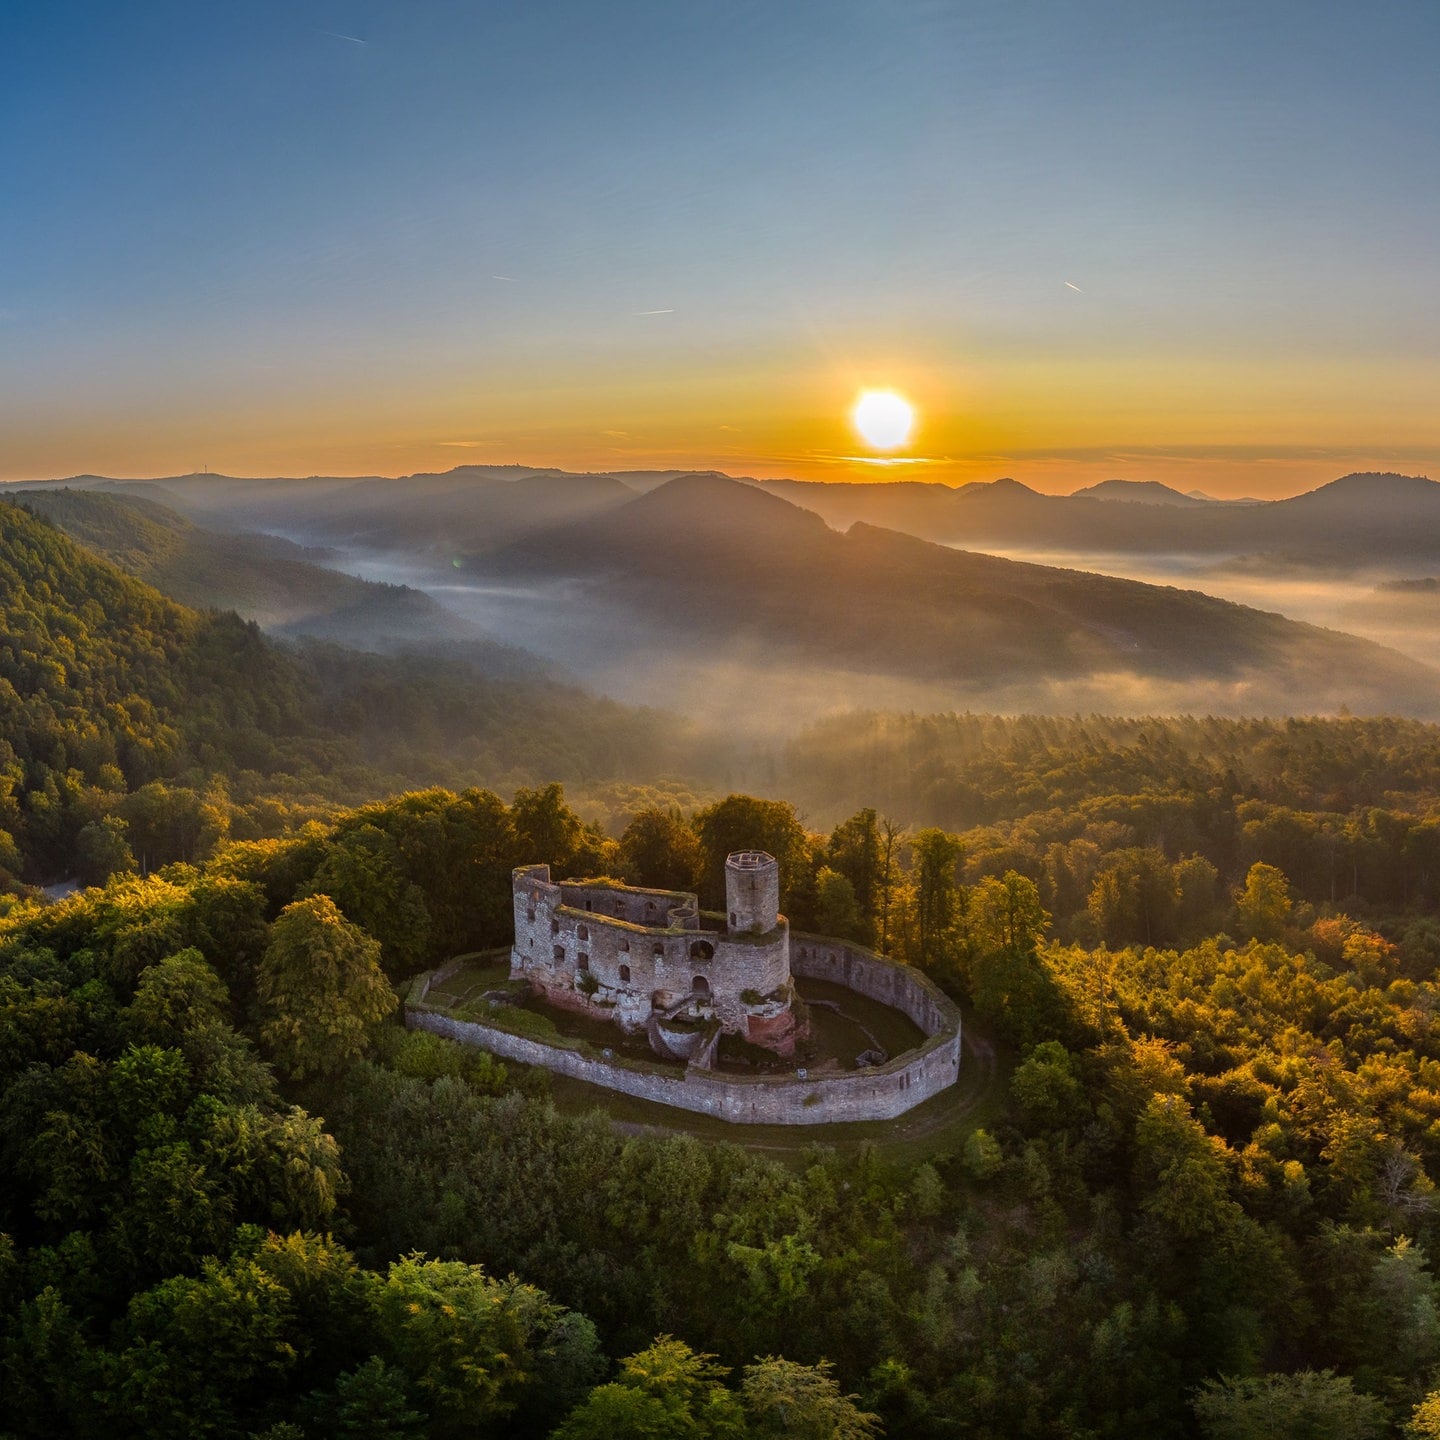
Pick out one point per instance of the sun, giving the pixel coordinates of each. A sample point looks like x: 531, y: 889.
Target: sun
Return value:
x: 883, y: 419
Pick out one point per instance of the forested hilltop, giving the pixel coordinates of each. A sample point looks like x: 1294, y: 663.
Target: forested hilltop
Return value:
x: 134, y: 730
x: 238, y: 1199
x: 1207, y: 1197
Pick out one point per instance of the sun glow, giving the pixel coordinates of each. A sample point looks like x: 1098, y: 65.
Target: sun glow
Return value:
x: 883, y: 419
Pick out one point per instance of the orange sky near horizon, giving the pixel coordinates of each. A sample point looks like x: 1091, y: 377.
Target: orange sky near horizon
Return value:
x: 1057, y: 423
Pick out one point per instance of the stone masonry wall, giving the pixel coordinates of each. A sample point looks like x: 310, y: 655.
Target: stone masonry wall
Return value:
x: 879, y: 1093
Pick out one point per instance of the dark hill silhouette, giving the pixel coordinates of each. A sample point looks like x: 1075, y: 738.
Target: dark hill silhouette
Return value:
x: 461, y: 511
x: 1358, y: 520
x: 1141, y: 492
x: 1355, y: 520
x: 708, y: 561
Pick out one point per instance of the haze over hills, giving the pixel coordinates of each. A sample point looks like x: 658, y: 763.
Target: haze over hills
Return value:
x: 707, y: 565
x: 677, y: 589
x: 1143, y: 492
x: 1358, y: 520
x: 264, y: 578
x: 107, y: 685
x: 1375, y: 519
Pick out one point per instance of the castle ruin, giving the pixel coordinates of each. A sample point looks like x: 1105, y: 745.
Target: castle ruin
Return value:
x: 647, y: 960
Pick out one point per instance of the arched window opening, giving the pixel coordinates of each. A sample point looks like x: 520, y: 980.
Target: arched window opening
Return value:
x: 624, y: 974
x: 700, y: 985
x: 554, y: 927
x: 583, y: 933
x: 559, y: 952
x: 702, y: 950
x: 734, y: 920
x: 582, y: 963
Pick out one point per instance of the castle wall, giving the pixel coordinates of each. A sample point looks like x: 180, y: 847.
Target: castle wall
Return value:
x: 902, y: 987
x: 878, y: 1093
x: 564, y: 932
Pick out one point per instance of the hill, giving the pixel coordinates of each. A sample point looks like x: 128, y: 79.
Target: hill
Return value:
x: 1141, y: 492
x: 106, y: 686
x: 469, y: 509
x: 274, y: 582
x: 706, y: 561
x: 1356, y: 520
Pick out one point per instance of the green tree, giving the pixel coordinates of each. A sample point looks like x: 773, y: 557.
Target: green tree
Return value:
x: 939, y: 899
x: 836, y: 912
x: 664, y: 1392
x: 856, y: 851
x: 362, y: 872
x: 101, y: 850
x: 1264, y: 902
x: 1309, y: 1405
x: 659, y: 848
x: 321, y: 989
x: 788, y: 1401
x: 477, y: 1352
x: 741, y: 822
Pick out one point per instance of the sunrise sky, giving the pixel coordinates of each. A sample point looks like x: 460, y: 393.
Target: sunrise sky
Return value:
x: 1196, y: 243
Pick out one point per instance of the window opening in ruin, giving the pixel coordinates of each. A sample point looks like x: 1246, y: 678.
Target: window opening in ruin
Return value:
x: 582, y: 963
x: 625, y: 946
x: 700, y: 985
x: 530, y: 912
x: 554, y: 927
x: 559, y: 952
x: 624, y: 974
x: 734, y: 920
x: 583, y: 932
x: 659, y: 949
x: 702, y: 950
x: 588, y: 905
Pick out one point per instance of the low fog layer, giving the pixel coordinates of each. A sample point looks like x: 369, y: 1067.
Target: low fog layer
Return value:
x: 1362, y: 602
x: 732, y: 603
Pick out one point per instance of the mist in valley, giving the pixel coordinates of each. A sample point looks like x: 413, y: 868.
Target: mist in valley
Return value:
x: 1373, y: 601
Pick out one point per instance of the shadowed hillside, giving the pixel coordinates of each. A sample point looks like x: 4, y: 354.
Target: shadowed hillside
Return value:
x: 705, y: 560
x: 266, y: 579
x: 107, y: 686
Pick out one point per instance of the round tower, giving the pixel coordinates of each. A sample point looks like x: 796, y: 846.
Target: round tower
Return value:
x: 752, y: 891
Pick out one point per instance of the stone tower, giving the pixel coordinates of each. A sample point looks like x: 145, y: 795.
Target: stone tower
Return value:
x: 752, y: 891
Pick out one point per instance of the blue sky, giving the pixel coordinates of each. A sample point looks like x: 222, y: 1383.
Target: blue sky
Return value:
x: 266, y: 231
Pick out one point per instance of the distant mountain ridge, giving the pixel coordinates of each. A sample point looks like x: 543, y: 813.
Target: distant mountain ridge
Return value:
x: 706, y: 561
x: 875, y: 580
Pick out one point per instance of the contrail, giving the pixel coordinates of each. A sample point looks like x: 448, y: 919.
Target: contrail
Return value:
x: 670, y: 311
x: 336, y: 35
x: 1075, y: 287
x: 510, y: 278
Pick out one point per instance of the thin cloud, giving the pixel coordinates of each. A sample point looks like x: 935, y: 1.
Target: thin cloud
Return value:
x: 1074, y: 287
x: 671, y: 311
x: 510, y: 278
x: 336, y: 35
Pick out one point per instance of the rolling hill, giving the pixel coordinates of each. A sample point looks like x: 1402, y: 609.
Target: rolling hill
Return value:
x: 707, y: 561
x: 107, y: 685
x: 263, y: 578
x: 1357, y: 520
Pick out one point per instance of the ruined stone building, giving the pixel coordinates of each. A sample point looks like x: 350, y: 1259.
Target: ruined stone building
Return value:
x: 649, y: 960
